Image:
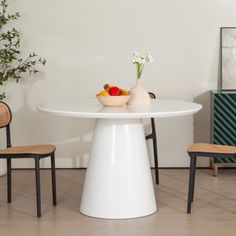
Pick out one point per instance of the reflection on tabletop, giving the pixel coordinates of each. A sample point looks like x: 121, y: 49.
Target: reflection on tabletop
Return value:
x: 124, y: 109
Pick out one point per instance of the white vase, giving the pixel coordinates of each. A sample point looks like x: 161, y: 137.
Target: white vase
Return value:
x: 139, y: 95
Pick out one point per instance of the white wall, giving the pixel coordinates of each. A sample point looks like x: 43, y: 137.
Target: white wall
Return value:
x: 89, y: 43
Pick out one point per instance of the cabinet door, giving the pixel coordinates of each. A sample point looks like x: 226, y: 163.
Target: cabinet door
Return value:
x: 224, y: 123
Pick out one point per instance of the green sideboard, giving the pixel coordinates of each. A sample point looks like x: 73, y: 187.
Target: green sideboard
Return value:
x: 223, y: 125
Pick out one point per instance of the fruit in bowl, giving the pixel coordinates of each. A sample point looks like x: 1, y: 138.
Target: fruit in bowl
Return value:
x: 113, y: 96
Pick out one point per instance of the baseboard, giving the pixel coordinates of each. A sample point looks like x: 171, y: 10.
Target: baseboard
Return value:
x: 79, y: 168
x: 161, y: 168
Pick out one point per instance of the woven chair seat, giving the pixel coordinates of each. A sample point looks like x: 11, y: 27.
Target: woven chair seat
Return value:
x: 211, y: 148
x: 33, y: 149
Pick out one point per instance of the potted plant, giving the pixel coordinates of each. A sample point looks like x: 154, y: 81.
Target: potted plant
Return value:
x: 12, y: 65
x: 139, y: 95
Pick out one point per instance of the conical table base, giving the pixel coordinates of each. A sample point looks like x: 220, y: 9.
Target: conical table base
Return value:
x: 118, y: 183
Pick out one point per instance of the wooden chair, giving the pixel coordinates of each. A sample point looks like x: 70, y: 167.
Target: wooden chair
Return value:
x: 153, y: 136
x: 205, y: 150
x: 37, y: 152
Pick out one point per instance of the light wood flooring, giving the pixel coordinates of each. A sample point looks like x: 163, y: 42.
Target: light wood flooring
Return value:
x: 213, y: 212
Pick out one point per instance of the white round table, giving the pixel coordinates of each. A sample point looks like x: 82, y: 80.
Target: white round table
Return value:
x: 118, y: 183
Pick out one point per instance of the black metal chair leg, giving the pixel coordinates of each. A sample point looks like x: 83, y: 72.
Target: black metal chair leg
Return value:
x: 191, y: 183
x: 156, y: 159
x: 9, y: 180
x: 155, y: 152
x: 54, y: 194
x: 195, y: 161
x: 37, y: 178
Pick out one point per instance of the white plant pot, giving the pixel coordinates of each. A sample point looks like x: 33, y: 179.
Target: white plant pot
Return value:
x: 3, y: 167
x: 139, y: 95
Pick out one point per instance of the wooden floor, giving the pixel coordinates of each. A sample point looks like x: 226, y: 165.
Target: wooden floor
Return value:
x: 213, y: 213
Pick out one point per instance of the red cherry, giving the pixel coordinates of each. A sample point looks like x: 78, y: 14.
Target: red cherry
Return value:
x: 114, y: 91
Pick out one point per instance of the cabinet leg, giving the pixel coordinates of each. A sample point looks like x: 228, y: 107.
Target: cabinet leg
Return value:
x: 215, y: 170
x: 211, y: 164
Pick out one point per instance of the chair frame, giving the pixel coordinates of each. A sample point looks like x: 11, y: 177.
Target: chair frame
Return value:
x: 153, y: 136
x: 37, y: 158
x: 192, y: 171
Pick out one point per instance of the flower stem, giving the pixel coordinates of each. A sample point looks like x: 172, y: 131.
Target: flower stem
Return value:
x: 139, y: 70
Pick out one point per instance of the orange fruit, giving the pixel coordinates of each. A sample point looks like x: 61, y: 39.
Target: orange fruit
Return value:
x: 124, y: 92
x: 104, y: 93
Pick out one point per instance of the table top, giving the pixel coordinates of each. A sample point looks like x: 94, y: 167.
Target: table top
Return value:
x: 92, y: 109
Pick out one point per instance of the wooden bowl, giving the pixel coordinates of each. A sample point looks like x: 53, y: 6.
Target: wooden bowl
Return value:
x: 113, y: 101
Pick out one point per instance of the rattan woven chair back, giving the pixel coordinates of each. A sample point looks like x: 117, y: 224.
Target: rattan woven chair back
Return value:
x: 5, y: 115
x: 152, y: 95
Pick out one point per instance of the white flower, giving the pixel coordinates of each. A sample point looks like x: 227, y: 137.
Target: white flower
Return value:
x: 140, y: 61
x: 149, y: 58
x: 135, y: 54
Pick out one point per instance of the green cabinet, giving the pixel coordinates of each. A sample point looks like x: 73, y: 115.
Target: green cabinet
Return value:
x: 223, y: 122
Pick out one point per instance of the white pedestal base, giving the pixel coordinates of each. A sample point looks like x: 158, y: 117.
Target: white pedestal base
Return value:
x: 118, y: 183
